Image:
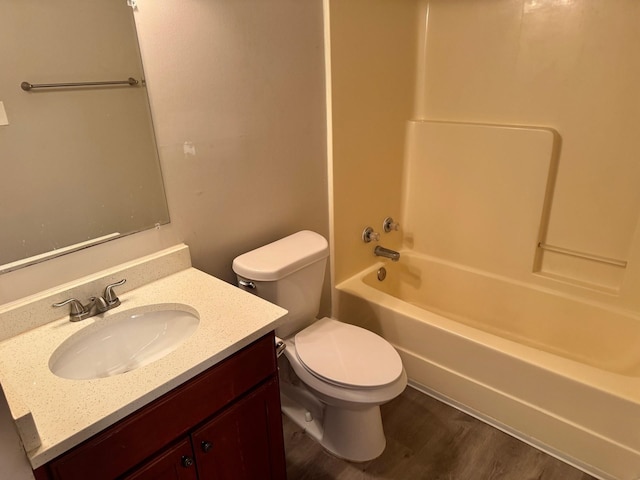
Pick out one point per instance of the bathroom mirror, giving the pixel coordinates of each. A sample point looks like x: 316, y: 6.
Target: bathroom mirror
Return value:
x: 79, y: 163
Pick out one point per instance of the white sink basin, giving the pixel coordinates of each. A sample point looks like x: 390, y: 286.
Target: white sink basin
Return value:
x: 124, y: 341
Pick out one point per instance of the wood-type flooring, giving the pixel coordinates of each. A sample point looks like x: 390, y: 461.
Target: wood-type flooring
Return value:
x: 428, y: 440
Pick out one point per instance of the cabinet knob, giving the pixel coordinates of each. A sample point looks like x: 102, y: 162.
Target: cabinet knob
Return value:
x: 206, y: 446
x: 187, y: 461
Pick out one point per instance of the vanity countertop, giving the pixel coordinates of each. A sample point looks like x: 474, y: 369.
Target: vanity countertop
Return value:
x: 58, y: 413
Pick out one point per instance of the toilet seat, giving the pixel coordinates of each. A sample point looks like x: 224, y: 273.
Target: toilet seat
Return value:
x: 346, y: 355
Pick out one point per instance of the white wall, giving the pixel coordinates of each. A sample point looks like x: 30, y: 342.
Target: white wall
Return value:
x: 243, y: 84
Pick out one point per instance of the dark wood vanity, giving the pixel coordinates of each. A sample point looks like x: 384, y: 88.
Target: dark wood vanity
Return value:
x: 224, y: 424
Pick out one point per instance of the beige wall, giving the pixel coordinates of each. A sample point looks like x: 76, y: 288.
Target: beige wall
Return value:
x: 565, y: 66
x: 242, y: 83
x: 373, y: 58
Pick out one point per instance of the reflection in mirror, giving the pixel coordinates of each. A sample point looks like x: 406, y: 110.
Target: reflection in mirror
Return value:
x: 78, y: 163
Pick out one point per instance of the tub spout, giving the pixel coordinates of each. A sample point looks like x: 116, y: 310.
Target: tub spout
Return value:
x: 385, y: 252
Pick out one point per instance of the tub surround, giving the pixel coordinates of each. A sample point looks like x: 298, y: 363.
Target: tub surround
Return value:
x: 53, y: 414
x: 493, y: 210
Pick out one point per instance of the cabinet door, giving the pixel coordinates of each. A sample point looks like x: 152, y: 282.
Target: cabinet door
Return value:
x: 174, y: 463
x: 245, y: 441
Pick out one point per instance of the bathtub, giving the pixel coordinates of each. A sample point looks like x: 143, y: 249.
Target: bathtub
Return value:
x: 558, y: 373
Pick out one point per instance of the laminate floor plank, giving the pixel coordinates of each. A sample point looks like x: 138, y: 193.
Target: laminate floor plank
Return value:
x: 428, y: 440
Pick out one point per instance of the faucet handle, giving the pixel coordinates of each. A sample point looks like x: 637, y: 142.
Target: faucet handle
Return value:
x: 389, y: 225
x: 77, y: 309
x: 368, y: 235
x: 110, y: 295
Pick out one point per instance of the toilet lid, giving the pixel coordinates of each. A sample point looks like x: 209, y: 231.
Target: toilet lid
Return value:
x: 347, y: 355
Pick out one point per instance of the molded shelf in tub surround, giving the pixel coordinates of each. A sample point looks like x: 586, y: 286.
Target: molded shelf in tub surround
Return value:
x: 54, y: 414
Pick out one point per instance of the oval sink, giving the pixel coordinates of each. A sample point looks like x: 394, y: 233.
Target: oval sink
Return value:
x: 123, y: 342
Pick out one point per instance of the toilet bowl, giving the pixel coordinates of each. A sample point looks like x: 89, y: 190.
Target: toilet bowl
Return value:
x: 336, y: 375
x: 334, y: 369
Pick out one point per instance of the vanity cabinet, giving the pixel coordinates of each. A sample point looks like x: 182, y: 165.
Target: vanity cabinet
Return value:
x: 223, y: 424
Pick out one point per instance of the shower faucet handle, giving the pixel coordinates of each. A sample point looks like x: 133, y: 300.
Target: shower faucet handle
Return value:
x: 389, y: 225
x: 368, y: 235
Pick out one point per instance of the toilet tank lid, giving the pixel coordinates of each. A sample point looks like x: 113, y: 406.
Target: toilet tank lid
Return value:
x: 282, y: 257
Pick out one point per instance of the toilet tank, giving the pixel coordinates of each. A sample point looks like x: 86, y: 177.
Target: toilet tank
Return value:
x: 288, y: 272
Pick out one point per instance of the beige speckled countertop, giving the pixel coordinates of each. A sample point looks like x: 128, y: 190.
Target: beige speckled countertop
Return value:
x: 54, y: 414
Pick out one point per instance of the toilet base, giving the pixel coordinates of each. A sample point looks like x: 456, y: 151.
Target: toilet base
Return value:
x: 355, y: 435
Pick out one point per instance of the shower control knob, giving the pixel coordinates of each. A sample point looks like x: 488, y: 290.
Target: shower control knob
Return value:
x: 368, y: 235
x: 389, y: 225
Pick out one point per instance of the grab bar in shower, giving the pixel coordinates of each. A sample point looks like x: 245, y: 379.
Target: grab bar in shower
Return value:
x: 587, y: 256
x: 26, y: 86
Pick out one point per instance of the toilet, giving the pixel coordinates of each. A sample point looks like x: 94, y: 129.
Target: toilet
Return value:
x: 333, y: 375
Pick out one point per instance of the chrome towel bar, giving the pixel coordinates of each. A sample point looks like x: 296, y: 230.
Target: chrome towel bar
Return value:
x: 26, y: 86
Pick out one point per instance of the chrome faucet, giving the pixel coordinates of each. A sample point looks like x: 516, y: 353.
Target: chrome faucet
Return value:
x: 95, y: 306
x: 387, y: 253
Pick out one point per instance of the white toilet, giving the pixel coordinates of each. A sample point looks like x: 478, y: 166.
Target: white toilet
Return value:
x: 337, y: 375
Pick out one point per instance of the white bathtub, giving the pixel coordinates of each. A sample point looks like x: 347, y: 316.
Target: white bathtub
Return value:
x: 558, y: 373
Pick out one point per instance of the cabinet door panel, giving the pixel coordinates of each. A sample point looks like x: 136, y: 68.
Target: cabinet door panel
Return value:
x: 176, y: 463
x: 245, y: 441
